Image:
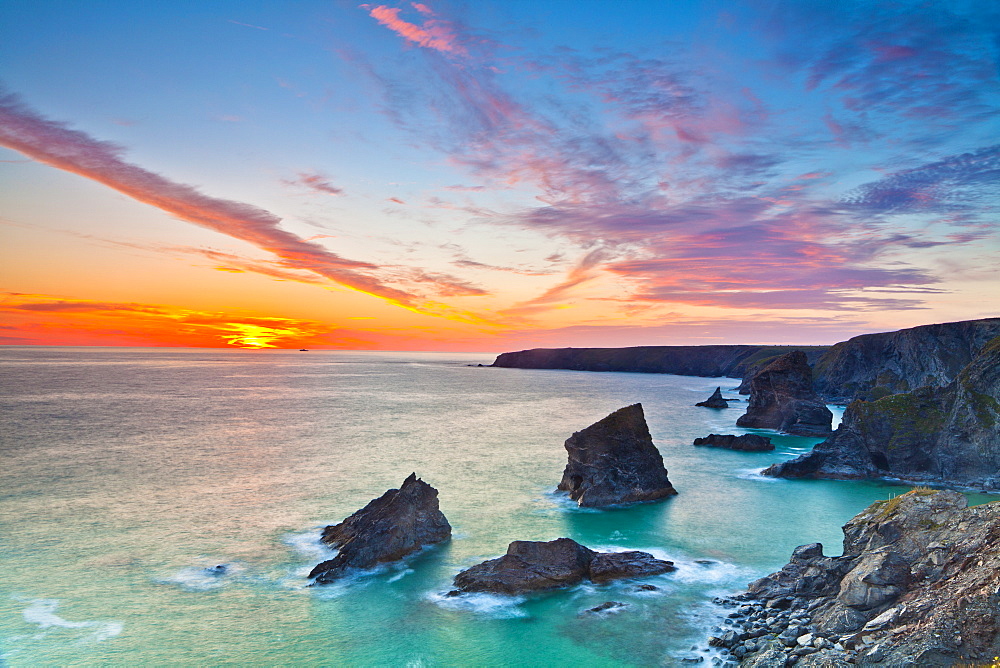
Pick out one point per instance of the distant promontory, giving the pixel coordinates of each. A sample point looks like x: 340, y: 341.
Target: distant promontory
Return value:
x: 866, y: 367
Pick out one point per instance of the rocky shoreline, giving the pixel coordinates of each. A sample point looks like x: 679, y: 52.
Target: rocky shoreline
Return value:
x: 918, y: 584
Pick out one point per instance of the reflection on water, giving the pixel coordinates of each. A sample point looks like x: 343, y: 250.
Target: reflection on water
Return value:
x: 130, y: 475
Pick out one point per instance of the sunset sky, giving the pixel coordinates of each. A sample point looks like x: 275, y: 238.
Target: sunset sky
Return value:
x: 489, y: 176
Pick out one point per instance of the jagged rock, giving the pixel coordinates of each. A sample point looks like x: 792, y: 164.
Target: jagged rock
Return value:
x: 535, y: 566
x: 782, y: 398
x: 871, y: 366
x: 917, y: 585
x: 614, y: 461
x: 744, y: 442
x: 940, y: 435
x: 399, y: 522
x: 714, y: 401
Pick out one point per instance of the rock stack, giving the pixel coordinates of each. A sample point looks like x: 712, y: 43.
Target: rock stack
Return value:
x: 399, y: 522
x: 782, y: 398
x: 614, y: 461
x: 714, y: 401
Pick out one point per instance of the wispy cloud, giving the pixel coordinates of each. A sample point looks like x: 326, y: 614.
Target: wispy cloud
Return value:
x: 695, y: 189
x: 432, y: 33
x: 52, y: 143
x: 316, y: 182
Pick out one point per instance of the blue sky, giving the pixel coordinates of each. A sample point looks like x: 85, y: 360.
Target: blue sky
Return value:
x: 497, y: 175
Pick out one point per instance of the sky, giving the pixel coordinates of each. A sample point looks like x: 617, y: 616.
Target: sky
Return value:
x: 490, y: 176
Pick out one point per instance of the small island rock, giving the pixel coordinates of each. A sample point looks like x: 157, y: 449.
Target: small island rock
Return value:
x: 714, y: 401
x: 782, y: 398
x: 744, y: 442
x: 536, y: 566
x: 614, y: 461
x: 399, y: 522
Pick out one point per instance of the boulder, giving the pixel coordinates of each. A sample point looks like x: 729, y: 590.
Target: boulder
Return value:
x: 536, y: 566
x: 941, y: 435
x: 614, y: 461
x: 396, y: 524
x: 782, y: 398
x: 714, y: 401
x: 744, y: 442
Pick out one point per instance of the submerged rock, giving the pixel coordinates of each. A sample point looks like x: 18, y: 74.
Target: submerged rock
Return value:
x: 614, y: 461
x: 917, y: 585
x: 536, y: 566
x: 744, y: 442
x: 948, y: 435
x: 714, y: 401
x: 782, y: 398
x: 399, y: 522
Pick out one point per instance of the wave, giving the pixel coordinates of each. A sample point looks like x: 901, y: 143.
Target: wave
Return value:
x: 495, y: 606
x: 42, y: 612
x: 205, y: 577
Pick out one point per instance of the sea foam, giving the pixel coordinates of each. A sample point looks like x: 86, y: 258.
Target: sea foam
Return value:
x: 42, y: 612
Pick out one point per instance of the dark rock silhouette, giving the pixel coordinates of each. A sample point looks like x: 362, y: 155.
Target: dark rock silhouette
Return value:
x: 744, y: 442
x: 946, y: 435
x: 714, y: 401
x: 614, y: 461
x: 399, y: 522
x: 782, y: 398
x: 916, y: 585
x: 536, y: 566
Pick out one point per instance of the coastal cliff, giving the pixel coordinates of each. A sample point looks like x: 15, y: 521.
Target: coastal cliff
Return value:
x: 782, y: 398
x: 872, y: 366
x: 712, y: 361
x: 947, y: 434
x: 916, y: 585
x: 869, y: 366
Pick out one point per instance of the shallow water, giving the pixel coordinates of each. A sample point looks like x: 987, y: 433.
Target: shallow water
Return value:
x: 130, y: 474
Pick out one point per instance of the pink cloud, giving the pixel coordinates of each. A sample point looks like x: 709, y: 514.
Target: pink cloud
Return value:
x: 432, y: 34
x: 73, y: 151
x: 316, y: 182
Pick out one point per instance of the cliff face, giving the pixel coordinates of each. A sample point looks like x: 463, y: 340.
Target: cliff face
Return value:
x: 917, y: 585
x: 874, y: 365
x: 782, y: 398
x: 712, y: 361
x: 947, y: 434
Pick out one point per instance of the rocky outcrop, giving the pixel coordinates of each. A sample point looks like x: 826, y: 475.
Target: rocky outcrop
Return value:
x: 744, y: 442
x: 917, y: 585
x: 536, y: 566
x: 614, y: 461
x: 399, y: 522
x: 714, y: 401
x: 712, y: 361
x: 872, y: 366
x: 782, y: 398
x: 944, y: 435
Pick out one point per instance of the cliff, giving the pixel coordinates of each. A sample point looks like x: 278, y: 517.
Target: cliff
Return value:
x: 917, y: 585
x: 947, y: 434
x: 711, y: 361
x: 872, y: 366
x: 869, y: 366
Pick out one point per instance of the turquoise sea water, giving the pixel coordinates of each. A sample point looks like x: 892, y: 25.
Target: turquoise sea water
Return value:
x: 126, y: 473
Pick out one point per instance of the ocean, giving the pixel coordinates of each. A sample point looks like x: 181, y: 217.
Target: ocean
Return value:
x: 128, y: 474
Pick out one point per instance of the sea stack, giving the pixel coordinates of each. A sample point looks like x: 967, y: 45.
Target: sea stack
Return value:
x: 614, y: 461
x: 782, y: 398
x: 939, y: 435
x: 399, y: 522
x: 536, y: 566
x: 714, y: 401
